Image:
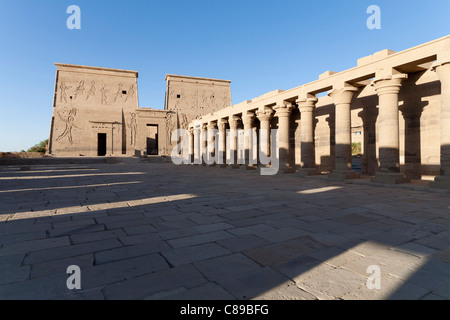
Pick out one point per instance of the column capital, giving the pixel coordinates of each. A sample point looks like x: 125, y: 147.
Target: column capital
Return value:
x: 265, y: 115
x: 439, y: 63
x: 222, y: 124
x: 212, y: 125
x: 388, y: 84
x: 342, y: 94
x: 307, y: 104
x: 234, y: 122
x: 283, y: 109
x: 204, y: 126
x: 248, y: 118
x: 443, y: 71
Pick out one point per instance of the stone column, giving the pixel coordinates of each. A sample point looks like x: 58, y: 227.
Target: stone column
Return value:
x: 307, y: 147
x: 197, y: 146
x: 212, y: 143
x: 234, y: 124
x: 204, y: 140
x: 342, y: 97
x: 222, y: 145
x: 264, y: 118
x: 387, y: 86
x: 442, y: 68
x: 283, y: 112
x: 191, y: 145
x: 248, y: 120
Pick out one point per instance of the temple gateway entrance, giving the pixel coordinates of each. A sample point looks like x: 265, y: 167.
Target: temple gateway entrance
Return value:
x: 101, y: 145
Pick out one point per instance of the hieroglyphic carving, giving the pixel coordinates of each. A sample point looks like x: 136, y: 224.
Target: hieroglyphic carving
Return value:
x: 91, y: 90
x: 79, y: 90
x: 205, y: 101
x: 133, y: 128
x: 70, y: 124
x: 104, y: 92
x: 184, y: 121
x: 131, y: 92
x: 226, y: 102
x: 195, y: 100
x: 212, y: 100
x: 119, y: 92
x: 63, y: 93
x: 170, y: 126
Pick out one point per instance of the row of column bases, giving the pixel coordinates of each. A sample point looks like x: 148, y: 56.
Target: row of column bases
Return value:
x: 387, y: 87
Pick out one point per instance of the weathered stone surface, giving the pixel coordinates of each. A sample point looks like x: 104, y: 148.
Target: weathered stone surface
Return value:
x: 185, y: 255
x: 230, y: 255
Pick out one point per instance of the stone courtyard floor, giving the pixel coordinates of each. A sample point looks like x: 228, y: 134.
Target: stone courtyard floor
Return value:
x: 160, y: 231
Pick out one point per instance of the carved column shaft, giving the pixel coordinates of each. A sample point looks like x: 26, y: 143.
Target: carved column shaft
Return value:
x: 387, y: 88
x: 204, y: 139
x: 248, y: 121
x: 264, y: 118
x: 197, y: 146
x: 234, y: 122
x: 191, y: 145
x: 283, y: 113
x: 307, y: 147
x: 222, y: 145
x: 342, y: 98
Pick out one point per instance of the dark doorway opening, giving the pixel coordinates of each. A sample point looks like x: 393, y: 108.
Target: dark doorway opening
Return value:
x: 101, y: 148
x: 152, y: 140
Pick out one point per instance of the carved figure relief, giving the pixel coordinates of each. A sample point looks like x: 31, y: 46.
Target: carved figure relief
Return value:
x: 133, y: 128
x: 63, y: 93
x: 212, y: 100
x: 184, y: 121
x: 104, y: 92
x: 225, y: 102
x: 170, y: 126
x: 70, y: 124
x: 119, y: 92
x: 91, y: 90
x: 79, y: 90
x: 195, y: 100
x: 205, y: 100
x: 131, y: 92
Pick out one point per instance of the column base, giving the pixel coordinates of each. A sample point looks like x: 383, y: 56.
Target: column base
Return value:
x: 305, y: 172
x: 344, y: 175
x: 389, y: 178
x: 441, y: 182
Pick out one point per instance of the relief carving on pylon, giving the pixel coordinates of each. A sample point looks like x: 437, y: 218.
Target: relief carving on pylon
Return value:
x: 104, y: 91
x: 91, y: 91
x: 133, y: 129
x: 69, y: 122
x: 63, y: 91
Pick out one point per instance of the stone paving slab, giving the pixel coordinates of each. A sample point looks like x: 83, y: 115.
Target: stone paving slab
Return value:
x: 159, y: 231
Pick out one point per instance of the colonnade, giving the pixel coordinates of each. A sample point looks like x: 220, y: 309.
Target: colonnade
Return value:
x: 386, y: 81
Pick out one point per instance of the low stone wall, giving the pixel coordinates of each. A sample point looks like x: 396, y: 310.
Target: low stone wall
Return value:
x: 53, y: 161
x: 20, y: 155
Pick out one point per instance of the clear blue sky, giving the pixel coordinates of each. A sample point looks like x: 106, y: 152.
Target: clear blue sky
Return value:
x: 260, y: 45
